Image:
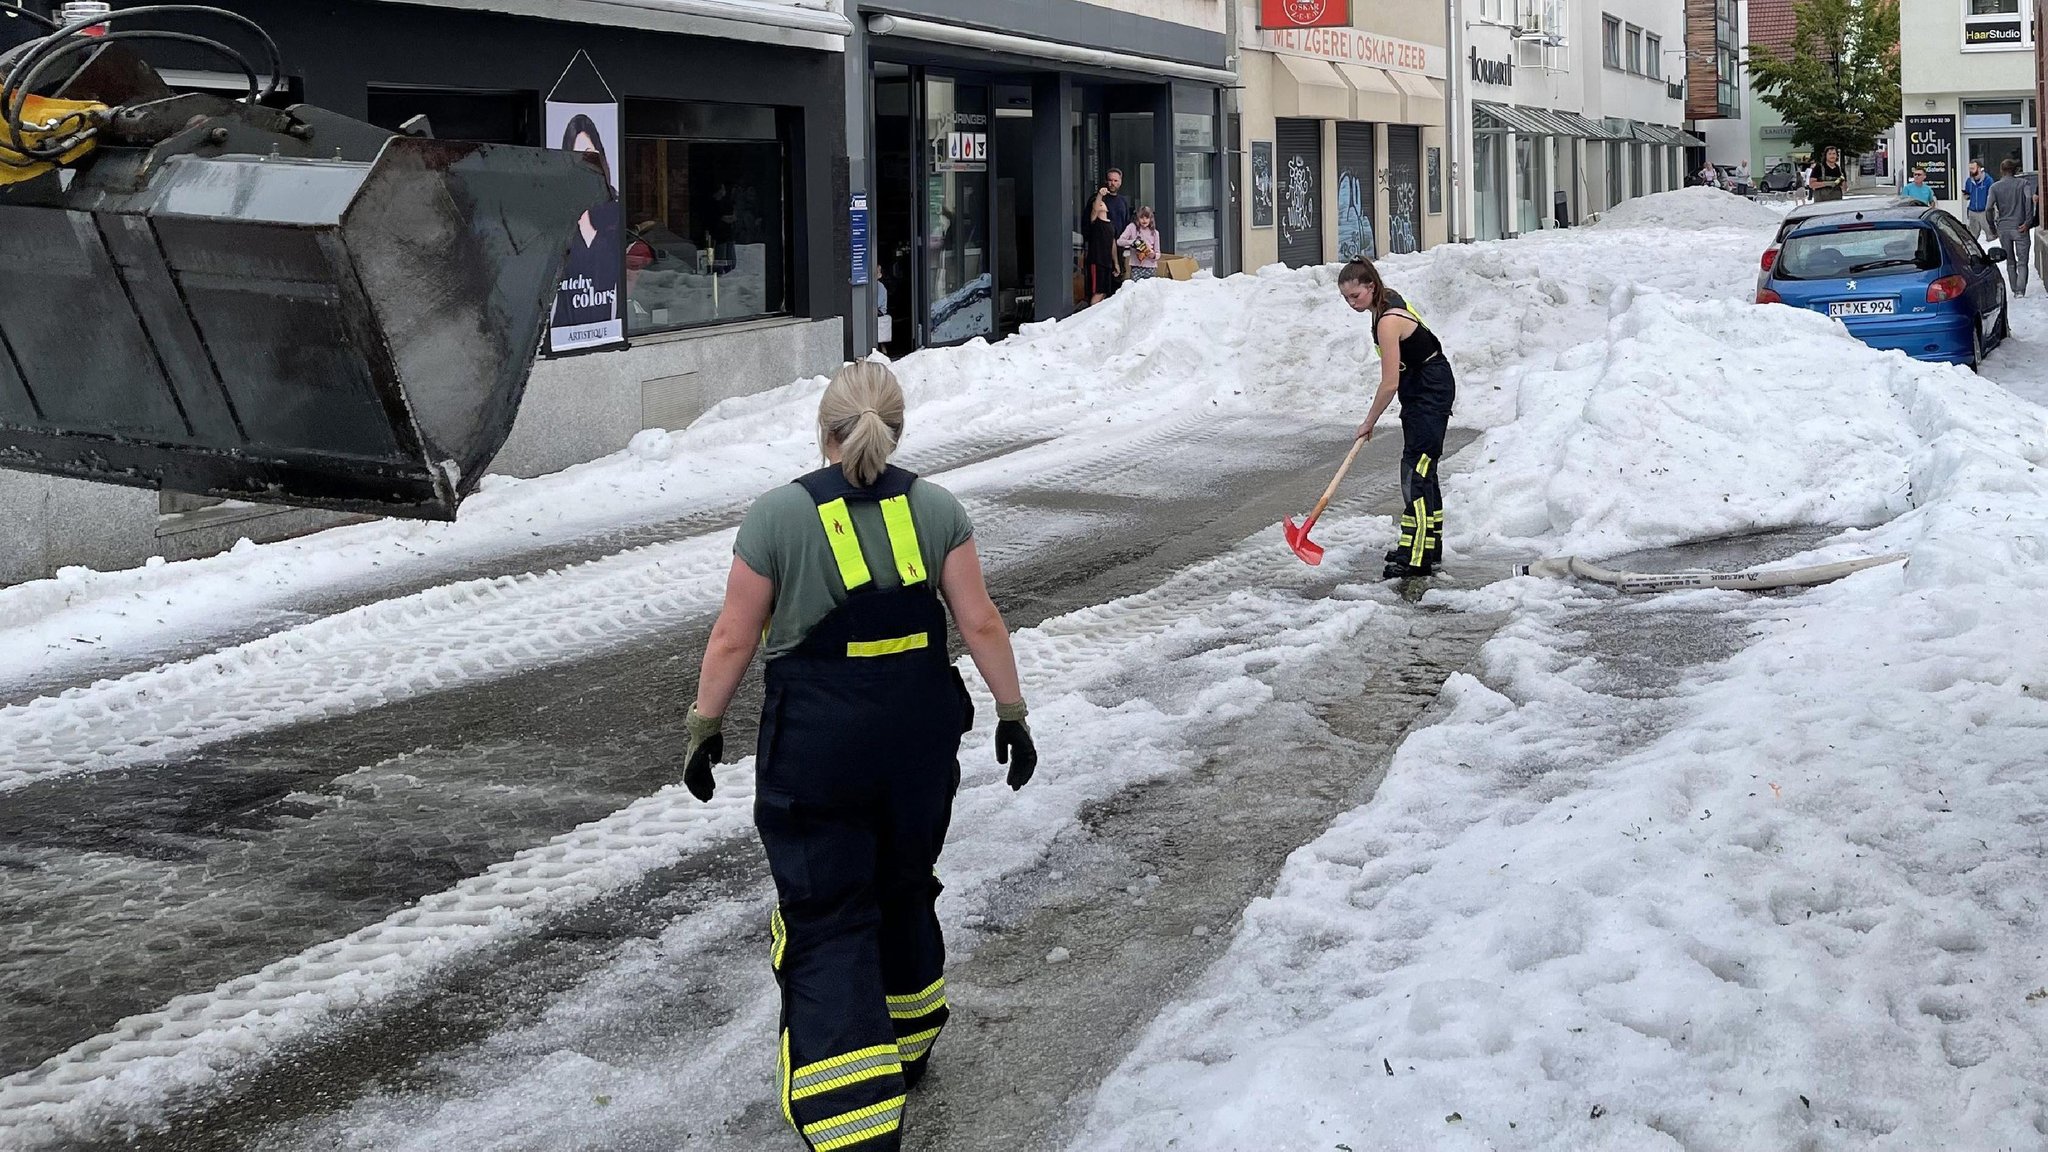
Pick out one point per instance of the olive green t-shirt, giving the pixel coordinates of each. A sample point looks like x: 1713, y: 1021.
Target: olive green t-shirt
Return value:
x: 782, y: 539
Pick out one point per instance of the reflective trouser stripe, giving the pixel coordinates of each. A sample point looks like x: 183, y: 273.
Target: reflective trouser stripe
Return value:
x: 1421, y: 534
x: 838, y: 522
x: 919, y: 1003
x: 903, y: 539
x: 779, y: 939
x: 853, y: 1127
x: 841, y: 1071
x: 1422, y: 465
x: 915, y: 643
x: 917, y: 1045
x: 783, y: 1068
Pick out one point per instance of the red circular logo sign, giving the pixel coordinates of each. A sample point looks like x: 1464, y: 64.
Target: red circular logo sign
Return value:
x: 1304, y: 11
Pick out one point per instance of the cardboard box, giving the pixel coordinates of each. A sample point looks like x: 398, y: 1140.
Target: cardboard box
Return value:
x: 1177, y: 267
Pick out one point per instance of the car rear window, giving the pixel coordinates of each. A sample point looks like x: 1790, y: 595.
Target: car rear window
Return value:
x: 1861, y: 252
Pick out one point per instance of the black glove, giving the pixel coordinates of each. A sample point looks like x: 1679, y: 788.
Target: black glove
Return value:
x: 707, y: 747
x: 1014, y: 745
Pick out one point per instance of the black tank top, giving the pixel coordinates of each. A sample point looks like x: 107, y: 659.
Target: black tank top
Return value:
x: 1419, y: 346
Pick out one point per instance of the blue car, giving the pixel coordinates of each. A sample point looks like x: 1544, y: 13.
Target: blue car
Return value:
x: 1901, y: 276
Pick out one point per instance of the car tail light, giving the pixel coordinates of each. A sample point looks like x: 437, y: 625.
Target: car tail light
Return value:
x: 1770, y: 258
x: 1947, y: 288
x: 1766, y: 296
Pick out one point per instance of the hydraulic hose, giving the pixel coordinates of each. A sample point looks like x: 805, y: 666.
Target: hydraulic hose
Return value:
x: 1571, y: 567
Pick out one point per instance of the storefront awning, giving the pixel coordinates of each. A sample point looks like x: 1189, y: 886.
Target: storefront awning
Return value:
x: 1494, y: 119
x: 1310, y: 88
x: 1672, y: 137
x: 1423, y: 98
x: 663, y: 15
x: 1031, y: 47
x: 1378, y: 97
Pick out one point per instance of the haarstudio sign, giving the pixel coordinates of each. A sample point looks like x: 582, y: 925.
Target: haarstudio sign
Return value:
x: 1304, y: 13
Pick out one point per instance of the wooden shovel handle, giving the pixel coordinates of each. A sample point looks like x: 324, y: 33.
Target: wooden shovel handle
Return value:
x: 1330, y: 492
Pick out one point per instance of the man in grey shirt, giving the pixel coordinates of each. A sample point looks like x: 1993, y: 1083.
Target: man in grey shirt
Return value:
x: 2013, y: 216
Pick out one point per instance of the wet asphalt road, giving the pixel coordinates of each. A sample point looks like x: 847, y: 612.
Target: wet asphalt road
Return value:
x: 121, y: 890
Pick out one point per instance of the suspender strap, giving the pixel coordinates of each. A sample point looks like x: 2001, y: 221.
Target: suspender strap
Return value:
x: 903, y: 540
x: 838, y: 522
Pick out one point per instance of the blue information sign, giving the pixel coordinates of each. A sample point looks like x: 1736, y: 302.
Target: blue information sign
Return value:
x: 858, y: 229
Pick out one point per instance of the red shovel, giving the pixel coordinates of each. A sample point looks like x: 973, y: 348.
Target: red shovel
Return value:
x: 1297, y: 536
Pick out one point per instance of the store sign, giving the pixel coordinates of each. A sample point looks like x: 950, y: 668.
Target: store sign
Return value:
x: 857, y: 232
x: 1304, y: 13
x: 1353, y: 46
x: 1931, y: 144
x: 1994, y: 34
x: 1498, y: 72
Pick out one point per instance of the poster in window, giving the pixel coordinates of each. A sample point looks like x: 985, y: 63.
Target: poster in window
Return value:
x: 1262, y: 183
x: 1435, y: 177
x: 1931, y: 144
x: 589, y: 314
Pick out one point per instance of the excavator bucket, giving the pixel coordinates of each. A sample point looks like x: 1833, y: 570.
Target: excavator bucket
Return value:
x: 278, y: 305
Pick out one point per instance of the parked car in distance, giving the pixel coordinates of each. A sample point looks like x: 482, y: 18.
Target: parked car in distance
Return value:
x: 1780, y: 177
x: 1909, y: 278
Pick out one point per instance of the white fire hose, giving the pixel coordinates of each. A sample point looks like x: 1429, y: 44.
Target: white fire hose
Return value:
x: 1752, y: 580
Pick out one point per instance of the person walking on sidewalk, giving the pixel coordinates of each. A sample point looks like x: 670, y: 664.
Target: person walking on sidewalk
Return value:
x: 1140, y: 244
x: 1977, y: 195
x: 841, y: 575
x: 1413, y: 367
x: 2013, y: 214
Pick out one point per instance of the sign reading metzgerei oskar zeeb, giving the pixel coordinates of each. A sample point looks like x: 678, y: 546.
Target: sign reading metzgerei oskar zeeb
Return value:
x: 589, y: 314
x: 1931, y: 144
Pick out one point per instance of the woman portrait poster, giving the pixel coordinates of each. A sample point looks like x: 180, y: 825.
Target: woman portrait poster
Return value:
x: 588, y: 307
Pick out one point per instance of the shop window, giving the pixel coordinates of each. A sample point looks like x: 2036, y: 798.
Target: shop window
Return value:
x: 1615, y: 164
x: 510, y: 117
x: 706, y: 194
x: 1195, y: 204
x: 1610, y: 41
x: 1999, y: 130
x: 1653, y: 57
x: 1998, y: 25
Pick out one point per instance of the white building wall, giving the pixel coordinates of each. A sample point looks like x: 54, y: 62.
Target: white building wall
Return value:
x: 1940, y: 75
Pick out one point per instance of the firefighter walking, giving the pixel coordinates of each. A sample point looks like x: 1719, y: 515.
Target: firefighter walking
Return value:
x: 1414, y: 368
x: 840, y: 575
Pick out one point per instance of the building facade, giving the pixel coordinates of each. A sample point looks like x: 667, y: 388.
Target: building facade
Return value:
x: 984, y: 128
x: 1566, y: 108
x: 1340, y: 137
x: 1968, y: 73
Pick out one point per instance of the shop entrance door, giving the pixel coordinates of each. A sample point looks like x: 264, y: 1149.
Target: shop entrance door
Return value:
x: 959, y: 267
x: 1404, y: 188
x: 1357, y: 192
x: 1298, y: 191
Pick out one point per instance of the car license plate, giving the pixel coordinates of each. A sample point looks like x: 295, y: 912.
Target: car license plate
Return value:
x: 1863, y: 308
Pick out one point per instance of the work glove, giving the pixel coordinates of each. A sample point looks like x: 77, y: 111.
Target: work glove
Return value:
x: 1014, y: 745
x: 706, y: 748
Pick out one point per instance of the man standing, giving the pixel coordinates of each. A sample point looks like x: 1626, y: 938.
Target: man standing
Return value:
x: 1114, y: 199
x: 2013, y: 215
x: 1917, y: 188
x: 1744, y: 183
x: 1977, y: 191
x: 1828, y: 178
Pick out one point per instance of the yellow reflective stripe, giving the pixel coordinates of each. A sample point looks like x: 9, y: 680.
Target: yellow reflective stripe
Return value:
x: 854, y: 1127
x: 914, y: 1046
x: 919, y: 1003
x: 903, y: 539
x: 787, y: 1113
x: 838, y: 522
x: 1421, y: 536
x: 1422, y: 465
x: 1410, y: 309
x: 810, y: 1071
x: 780, y: 934
x: 866, y: 1064
x: 889, y: 647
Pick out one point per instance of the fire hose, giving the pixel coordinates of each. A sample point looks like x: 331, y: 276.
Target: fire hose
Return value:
x: 1749, y: 580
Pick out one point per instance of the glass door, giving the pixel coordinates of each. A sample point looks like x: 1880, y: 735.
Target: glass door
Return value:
x: 959, y: 273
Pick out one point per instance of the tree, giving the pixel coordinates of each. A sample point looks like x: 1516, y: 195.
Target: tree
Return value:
x: 1840, y: 87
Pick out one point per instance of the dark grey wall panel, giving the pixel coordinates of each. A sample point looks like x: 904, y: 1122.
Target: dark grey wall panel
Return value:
x: 1071, y: 22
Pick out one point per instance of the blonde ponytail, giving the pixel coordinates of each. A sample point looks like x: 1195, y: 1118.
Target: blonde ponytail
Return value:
x: 862, y: 413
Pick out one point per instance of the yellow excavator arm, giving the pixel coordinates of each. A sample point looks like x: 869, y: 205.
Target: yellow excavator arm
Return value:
x: 45, y: 120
